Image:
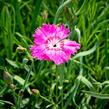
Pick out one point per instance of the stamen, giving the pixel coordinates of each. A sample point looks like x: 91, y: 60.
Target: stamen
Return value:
x: 54, y: 45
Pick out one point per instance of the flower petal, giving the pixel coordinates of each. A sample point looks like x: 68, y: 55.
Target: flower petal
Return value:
x: 62, y: 32
x: 39, y: 37
x: 39, y: 52
x: 58, y: 57
x: 49, y: 30
x: 70, y: 47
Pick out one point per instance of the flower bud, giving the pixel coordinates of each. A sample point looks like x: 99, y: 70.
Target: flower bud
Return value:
x: 21, y: 49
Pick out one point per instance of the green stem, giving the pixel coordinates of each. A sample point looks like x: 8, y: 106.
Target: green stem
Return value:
x: 56, y: 86
x: 46, y: 99
x: 61, y: 83
x: 27, y: 78
x: 60, y: 9
x: 19, y: 100
x: 81, y: 58
x: 60, y: 80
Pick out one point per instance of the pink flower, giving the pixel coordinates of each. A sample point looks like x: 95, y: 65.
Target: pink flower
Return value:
x: 50, y: 43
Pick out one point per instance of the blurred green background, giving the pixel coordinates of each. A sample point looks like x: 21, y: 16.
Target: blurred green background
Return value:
x: 82, y: 83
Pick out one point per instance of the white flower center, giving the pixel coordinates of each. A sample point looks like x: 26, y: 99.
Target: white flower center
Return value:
x: 54, y: 43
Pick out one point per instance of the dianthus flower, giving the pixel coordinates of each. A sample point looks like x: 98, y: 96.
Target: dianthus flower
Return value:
x: 50, y: 43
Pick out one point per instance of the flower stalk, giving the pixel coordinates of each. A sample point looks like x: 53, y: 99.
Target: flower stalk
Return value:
x: 60, y: 9
x: 81, y: 58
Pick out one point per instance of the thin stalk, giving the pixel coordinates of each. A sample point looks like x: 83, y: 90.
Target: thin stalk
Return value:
x: 60, y: 80
x: 60, y: 9
x: 81, y: 58
x: 61, y: 84
x: 27, y: 78
x: 46, y: 99
x: 56, y: 86
x: 19, y: 101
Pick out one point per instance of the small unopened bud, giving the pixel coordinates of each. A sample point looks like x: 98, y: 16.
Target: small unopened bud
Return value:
x: 21, y: 49
x: 44, y: 14
x: 7, y: 77
x: 25, y: 60
x: 78, y: 33
x: 35, y: 91
x: 12, y: 86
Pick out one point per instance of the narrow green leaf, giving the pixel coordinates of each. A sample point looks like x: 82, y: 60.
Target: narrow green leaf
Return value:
x: 107, y: 68
x: 105, y: 82
x: 19, y: 79
x: 13, y: 63
x: 35, y: 13
x: 3, y: 90
x: 6, y: 102
x: 60, y: 9
x: 86, y: 82
x: 22, y: 82
x: 97, y: 95
x: 85, y: 53
x: 81, y: 10
x: 19, y: 18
